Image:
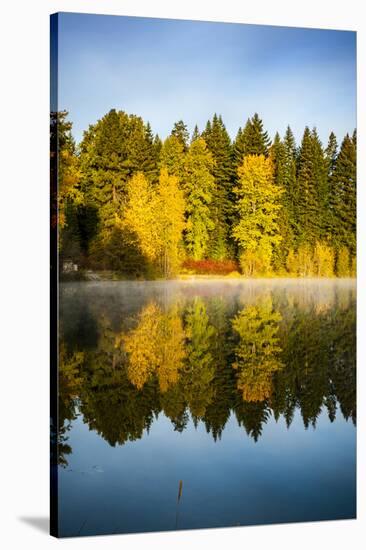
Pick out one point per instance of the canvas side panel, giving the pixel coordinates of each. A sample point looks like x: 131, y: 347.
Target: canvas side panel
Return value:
x: 54, y: 20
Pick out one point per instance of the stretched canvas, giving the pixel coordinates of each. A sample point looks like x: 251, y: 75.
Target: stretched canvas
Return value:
x: 203, y: 274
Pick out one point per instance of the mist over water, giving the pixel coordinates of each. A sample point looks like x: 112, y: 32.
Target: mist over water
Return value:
x: 237, y: 395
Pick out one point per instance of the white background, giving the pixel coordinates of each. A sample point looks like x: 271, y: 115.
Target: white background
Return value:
x: 24, y: 331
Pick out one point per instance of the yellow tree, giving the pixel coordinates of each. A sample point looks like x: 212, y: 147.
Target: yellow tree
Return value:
x: 170, y: 220
x: 69, y: 179
x: 323, y: 260
x: 140, y: 216
x: 258, y: 204
x: 155, y: 347
x: 343, y: 262
x: 258, y: 351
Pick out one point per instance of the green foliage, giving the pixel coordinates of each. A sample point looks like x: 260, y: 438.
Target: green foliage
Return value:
x: 280, y: 214
x: 181, y: 133
x: 252, y: 140
x: 172, y: 157
x: 343, y: 197
x: 199, y: 188
x: 312, y: 190
x: 219, y: 144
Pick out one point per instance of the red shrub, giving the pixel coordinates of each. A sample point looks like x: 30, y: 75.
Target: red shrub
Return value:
x: 211, y: 267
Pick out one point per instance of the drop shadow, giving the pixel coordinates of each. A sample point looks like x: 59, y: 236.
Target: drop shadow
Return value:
x: 38, y: 522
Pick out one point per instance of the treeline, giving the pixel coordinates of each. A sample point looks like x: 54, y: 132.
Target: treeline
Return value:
x: 206, y: 360
x: 131, y: 203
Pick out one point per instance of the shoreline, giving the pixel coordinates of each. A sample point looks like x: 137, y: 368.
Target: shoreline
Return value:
x: 104, y: 276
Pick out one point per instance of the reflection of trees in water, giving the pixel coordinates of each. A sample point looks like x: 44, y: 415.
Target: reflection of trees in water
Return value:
x: 155, y: 346
x: 257, y: 354
x: 209, y: 359
x: 70, y: 381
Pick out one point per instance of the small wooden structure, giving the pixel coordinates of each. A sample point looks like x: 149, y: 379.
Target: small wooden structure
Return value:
x: 68, y: 266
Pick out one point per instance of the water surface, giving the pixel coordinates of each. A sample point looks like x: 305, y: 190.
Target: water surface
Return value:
x: 200, y: 404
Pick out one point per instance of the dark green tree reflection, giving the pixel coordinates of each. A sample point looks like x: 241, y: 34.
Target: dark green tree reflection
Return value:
x: 206, y: 358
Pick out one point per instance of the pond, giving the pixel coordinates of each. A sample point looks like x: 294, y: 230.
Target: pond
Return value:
x: 199, y: 404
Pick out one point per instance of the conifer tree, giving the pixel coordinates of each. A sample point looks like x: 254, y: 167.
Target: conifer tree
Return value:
x: 331, y: 153
x: 196, y: 134
x: 321, y: 183
x: 343, y: 197
x: 112, y: 150
x: 308, y: 206
x: 239, y: 146
x: 252, y: 140
x: 219, y: 144
x: 290, y: 196
x: 180, y: 131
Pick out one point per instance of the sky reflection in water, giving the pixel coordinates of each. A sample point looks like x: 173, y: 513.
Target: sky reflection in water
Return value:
x: 244, y: 391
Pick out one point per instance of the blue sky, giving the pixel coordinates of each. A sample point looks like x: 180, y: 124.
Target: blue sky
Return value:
x: 166, y: 70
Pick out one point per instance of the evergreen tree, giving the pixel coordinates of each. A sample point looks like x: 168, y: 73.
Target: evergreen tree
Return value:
x: 112, y: 150
x: 219, y: 144
x: 196, y: 134
x: 253, y: 140
x: 331, y: 153
x: 180, y: 131
x: 309, y: 221
x: 320, y: 175
x: 343, y: 197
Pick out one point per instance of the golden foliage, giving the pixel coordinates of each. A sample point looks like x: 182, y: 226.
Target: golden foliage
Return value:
x: 258, y: 350
x: 155, y: 346
x: 258, y: 205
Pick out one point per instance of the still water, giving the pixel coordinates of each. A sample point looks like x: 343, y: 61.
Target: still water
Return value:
x: 199, y: 404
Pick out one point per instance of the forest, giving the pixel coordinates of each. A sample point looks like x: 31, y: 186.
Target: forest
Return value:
x: 129, y: 203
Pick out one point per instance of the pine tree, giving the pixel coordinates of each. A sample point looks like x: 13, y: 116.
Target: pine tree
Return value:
x: 180, y: 131
x: 277, y: 153
x: 112, y: 150
x: 140, y: 149
x: 239, y: 146
x: 309, y: 221
x: 343, y: 197
x: 219, y: 144
x: 253, y: 140
x: 258, y: 141
x: 331, y: 153
x: 196, y: 134
x: 320, y: 175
